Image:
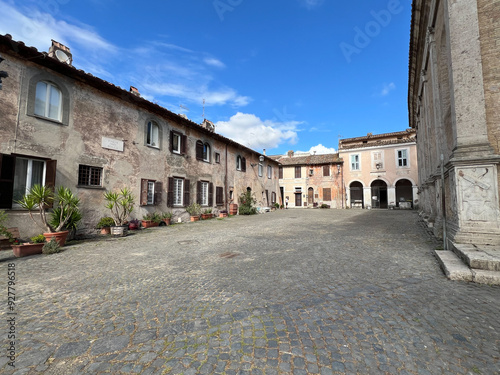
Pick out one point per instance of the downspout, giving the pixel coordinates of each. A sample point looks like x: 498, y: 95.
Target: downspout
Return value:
x: 225, y: 184
x: 342, y: 187
x: 19, y: 108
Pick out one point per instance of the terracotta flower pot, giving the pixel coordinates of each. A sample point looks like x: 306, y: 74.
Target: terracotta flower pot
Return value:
x: 233, y: 209
x: 195, y: 218
x: 133, y: 226
x: 29, y: 249
x: 105, y: 230
x: 149, y: 223
x: 223, y: 214
x: 60, y: 237
x: 206, y: 216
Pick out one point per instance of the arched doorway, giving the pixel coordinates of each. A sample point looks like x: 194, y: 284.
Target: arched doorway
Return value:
x: 404, y: 192
x: 379, y: 194
x: 310, y: 196
x: 356, y: 194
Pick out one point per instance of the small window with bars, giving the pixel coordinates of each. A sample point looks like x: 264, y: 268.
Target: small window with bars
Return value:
x: 89, y: 176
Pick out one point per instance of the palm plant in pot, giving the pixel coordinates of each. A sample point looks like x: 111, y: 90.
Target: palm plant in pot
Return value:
x: 121, y: 204
x: 65, y: 205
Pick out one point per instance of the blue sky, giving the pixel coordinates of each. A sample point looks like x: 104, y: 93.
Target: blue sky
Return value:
x: 277, y: 74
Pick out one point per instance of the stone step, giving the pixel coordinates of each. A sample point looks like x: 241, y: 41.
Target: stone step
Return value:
x: 480, y: 257
x: 455, y: 269
x: 452, y: 266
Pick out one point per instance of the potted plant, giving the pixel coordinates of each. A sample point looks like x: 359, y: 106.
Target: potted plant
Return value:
x: 223, y: 213
x: 29, y: 248
x: 4, y: 231
x: 104, y: 224
x: 66, y: 203
x: 166, y: 217
x: 134, y: 224
x: 207, y: 214
x: 121, y: 204
x: 194, y: 210
x: 151, y: 220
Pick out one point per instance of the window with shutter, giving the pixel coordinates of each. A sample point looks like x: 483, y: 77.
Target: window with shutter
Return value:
x: 210, y: 194
x: 202, y: 193
x: 327, y: 194
x: 199, y: 150
x: 7, y: 168
x: 187, y: 196
x: 219, y: 195
x: 280, y: 172
x: 298, y: 172
x: 326, y: 170
x: 243, y: 164
x: 170, y: 192
x: 158, y: 191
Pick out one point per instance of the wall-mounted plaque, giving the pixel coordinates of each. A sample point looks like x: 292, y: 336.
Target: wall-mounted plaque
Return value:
x: 112, y: 144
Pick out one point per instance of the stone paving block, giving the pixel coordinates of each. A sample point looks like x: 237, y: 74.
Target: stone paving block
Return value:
x: 350, y: 292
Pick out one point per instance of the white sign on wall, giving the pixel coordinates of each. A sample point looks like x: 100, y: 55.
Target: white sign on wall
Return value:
x: 112, y: 144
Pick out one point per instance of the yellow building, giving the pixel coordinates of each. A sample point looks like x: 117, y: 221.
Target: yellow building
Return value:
x: 380, y: 171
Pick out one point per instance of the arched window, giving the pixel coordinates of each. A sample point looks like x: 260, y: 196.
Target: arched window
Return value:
x: 241, y: 164
x: 206, y: 152
x: 48, y: 101
x: 152, y: 134
x: 202, y: 151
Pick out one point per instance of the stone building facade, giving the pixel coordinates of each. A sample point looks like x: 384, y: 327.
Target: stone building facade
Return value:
x: 310, y: 180
x: 381, y: 170
x: 453, y: 101
x: 62, y: 126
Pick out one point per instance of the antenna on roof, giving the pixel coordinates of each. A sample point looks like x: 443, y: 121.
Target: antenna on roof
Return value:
x: 181, y: 107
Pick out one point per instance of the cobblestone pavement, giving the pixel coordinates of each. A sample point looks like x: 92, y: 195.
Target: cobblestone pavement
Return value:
x: 288, y: 292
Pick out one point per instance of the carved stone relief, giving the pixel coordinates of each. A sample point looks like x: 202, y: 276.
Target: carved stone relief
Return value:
x: 477, y: 194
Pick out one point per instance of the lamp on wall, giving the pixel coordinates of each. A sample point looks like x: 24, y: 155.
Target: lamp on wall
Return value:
x: 261, y: 158
x: 338, y: 168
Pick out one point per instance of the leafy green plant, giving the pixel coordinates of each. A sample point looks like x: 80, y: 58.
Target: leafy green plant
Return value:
x: 71, y: 225
x: 40, y: 197
x: 247, y: 202
x: 51, y: 247
x: 324, y: 206
x: 3, y: 230
x: 121, y: 204
x: 194, y: 209
x: 207, y: 211
x: 166, y: 215
x: 105, y: 222
x: 156, y: 217
x: 38, y: 239
x: 276, y: 205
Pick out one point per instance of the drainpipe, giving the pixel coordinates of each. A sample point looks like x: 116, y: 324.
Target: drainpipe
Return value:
x: 225, y: 185
x: 342, y: 187
x: 19, y: 108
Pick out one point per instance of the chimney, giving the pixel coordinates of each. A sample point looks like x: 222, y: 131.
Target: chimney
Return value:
x: 264, y: 152
x: 133, y: 90
x: 209, y: 125
x: 290, y: 153
x: 60, y: 52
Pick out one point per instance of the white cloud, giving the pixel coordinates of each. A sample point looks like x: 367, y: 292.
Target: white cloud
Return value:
x: 214, y: 62
x: 177, y: 72
x: 311, y: 4
x: 387, y: 89
x: 257, y: 134
x: 320, y: 150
